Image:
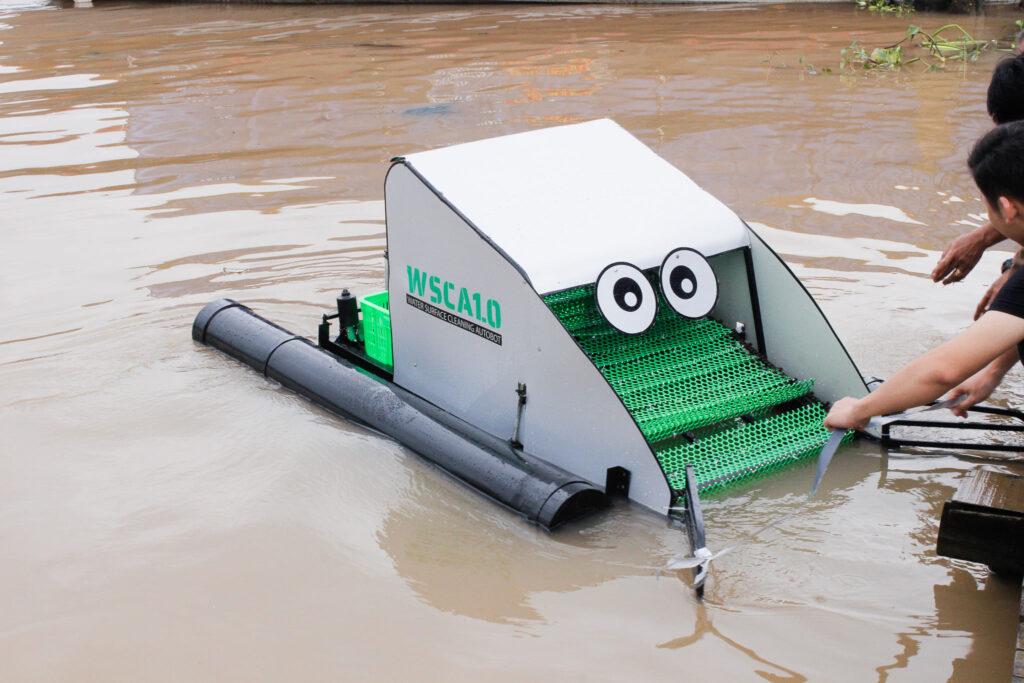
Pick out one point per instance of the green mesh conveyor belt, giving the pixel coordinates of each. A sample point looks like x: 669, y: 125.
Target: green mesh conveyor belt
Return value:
x: 747, y: 448
x: 686, y: 375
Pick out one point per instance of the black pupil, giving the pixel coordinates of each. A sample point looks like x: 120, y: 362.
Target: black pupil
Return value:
x: 624, y: 286
x: 677, y: 277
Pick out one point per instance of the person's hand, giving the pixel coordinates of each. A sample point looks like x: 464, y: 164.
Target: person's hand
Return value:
x: 974, y: 389
x: 845, y: 415
x: 990, y: 295
x: 959, y: 258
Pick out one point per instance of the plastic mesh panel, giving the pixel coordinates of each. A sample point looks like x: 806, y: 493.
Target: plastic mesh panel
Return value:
x: 613, y: 347
x: 683, y: 375
x: 668, y: 414
x: 747, y: 448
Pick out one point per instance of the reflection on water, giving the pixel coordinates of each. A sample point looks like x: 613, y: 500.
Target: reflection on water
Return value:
x: 705, y: 626
x: 165, y: 510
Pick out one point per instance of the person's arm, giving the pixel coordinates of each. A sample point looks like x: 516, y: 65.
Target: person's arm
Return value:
x: 993, y: 289
x: 990, y: 294
x: 963, y: 254
x: 981, y: 384
x: 927, y: 377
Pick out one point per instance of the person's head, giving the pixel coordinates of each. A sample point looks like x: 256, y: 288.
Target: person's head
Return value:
x: 1006, y: 91
x: 997, y: 165
x: 1018, y: 43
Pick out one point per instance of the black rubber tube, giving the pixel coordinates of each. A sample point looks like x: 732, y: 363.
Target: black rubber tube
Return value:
x: 538, y: 490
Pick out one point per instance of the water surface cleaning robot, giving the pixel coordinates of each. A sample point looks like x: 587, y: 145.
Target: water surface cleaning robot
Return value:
x: 567, y: 316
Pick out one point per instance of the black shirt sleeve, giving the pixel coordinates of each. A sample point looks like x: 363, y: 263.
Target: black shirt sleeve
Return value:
x: 1010, y: 298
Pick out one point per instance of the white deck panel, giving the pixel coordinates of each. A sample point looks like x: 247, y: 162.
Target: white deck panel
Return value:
x: 565, y: 202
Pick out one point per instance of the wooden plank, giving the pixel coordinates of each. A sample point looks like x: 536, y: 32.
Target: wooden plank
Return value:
x: 984, y: 488
x: 984, y: 522
x: 1018, y: 655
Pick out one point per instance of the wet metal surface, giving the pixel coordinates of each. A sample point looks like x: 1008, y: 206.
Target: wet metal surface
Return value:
x: 166, y: 514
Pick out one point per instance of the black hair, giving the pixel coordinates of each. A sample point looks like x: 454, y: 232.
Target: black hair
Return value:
x: 997, y: 163
x: 1006, y: 91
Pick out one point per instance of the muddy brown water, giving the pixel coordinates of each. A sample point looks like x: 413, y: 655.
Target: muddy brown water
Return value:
x: 167, y: 514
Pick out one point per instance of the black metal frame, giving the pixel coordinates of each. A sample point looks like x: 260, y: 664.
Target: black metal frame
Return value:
x: 888, y: 440
x: 353, y: 352
x: 694, y: 525
x: 755, y: 302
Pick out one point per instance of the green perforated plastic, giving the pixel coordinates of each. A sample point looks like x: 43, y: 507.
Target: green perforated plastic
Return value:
x: 746, y: 448
x: 698, y: 394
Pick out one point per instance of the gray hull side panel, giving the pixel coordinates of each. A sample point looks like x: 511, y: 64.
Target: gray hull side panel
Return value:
x: 798, y: 337
x: 734, y: 305
x: 572, y: 417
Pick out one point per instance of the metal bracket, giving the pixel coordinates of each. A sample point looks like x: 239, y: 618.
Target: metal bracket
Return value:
x: 351, y: 351
x: 616, y: 482
x: 695, y: 528
x: 521, y: 392
x: 890, y: 441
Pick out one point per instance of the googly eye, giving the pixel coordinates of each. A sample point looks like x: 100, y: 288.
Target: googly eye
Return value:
x: 688, y: 283
x: 626, y: 298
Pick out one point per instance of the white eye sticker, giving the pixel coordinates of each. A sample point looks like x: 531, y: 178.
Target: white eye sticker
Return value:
x: 626, y: 298
x: 688, y: 283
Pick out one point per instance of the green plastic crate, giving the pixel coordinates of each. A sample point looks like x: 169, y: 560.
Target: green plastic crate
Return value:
x: 376, y: 310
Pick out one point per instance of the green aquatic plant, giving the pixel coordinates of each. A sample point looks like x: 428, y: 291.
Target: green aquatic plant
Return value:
x: 894, y: 6
x: 950, y: 42
x: 858, y: 57
x: 805, y: 67
x: 812, y: 70
x: 960, y: 46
